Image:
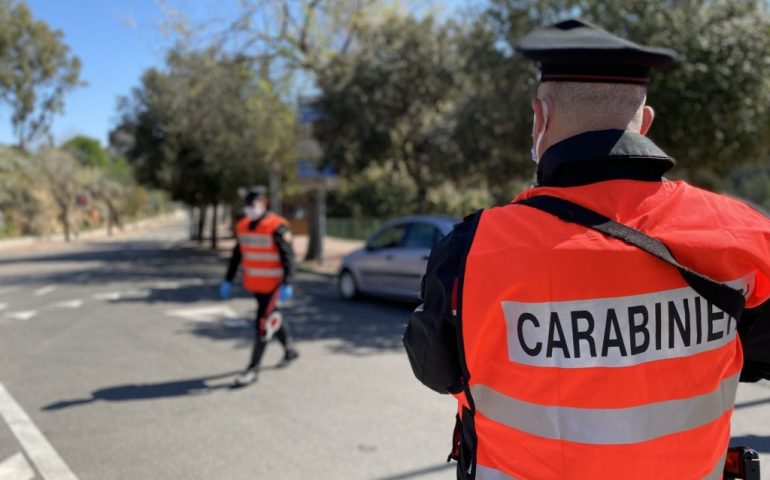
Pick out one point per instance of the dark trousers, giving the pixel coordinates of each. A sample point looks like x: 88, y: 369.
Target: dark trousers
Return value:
x: 267, y: 304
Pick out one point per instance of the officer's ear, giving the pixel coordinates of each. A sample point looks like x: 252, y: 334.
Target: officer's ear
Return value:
x: 539, y: 117
x: 648, y: 115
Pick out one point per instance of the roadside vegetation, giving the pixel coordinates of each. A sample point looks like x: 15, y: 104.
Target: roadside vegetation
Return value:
x: 415, y: 110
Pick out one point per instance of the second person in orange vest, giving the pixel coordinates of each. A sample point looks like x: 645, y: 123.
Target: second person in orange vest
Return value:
x: 264, y: 250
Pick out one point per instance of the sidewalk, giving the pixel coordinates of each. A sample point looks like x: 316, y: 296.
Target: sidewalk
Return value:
x: 34, y: 242
x: 334, y: 250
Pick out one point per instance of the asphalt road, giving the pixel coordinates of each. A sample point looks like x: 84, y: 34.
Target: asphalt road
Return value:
x: 116, y: 360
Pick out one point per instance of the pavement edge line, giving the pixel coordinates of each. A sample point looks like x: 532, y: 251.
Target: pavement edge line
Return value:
x: 38, y: 449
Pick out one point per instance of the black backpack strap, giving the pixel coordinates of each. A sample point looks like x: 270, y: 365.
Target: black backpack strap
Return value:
x: 729, y: 300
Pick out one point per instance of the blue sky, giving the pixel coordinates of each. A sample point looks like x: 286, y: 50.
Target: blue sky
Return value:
x: 116, y: 41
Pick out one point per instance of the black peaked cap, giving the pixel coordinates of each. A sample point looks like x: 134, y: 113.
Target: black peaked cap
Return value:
x: 576, y: 51
x: 254, y: 193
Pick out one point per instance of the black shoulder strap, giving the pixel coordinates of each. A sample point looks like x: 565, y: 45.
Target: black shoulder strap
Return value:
x: 728, y: 299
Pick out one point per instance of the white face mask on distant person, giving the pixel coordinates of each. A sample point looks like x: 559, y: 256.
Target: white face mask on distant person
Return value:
x: 253, y: 212
x: 539, y: 136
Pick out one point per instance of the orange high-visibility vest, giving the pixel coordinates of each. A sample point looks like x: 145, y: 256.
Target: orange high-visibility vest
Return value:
x: 261, y: 261
x: 590, y: 358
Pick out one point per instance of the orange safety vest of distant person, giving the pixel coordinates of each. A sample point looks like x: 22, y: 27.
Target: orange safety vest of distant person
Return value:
x: 263, y: 271
x: 590, y: 358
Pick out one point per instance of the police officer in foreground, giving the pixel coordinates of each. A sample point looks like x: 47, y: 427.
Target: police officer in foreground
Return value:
x: 596, y: 327
x: 264, y: 249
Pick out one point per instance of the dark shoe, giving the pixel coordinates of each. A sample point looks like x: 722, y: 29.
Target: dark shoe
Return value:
x: 246, y: 378
x: 289, y: 357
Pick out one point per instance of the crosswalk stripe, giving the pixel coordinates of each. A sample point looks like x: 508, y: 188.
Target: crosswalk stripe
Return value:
x: 45, y: 290
x: 25, y: 315
x: 77, y: 303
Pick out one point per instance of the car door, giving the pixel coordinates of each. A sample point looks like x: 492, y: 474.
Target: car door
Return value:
x: 411, y: 260
x: 375, y: 268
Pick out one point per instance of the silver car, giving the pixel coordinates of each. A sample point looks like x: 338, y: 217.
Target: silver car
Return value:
x: 393, y: 262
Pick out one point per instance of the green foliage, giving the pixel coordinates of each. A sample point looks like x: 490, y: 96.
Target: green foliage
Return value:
x: 38, y: 70
x: 204, y: 127
x: 713, y: 109
x: 379, y: 191
x: 751, y: 182
x: 19, y: 205
x: 393, y: 100
x: 422, y: 115
x: 88, y: 151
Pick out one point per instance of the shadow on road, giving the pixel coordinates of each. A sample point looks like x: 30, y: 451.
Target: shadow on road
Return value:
x: 121, y: 262
x: 760, y: 444
x: 183, y: 273
x: 362, y: 327
x: 148, y: 391
x: 752, y: 403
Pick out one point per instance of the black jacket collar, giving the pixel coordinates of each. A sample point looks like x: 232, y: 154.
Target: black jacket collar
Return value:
x: 602, y: 155
x: 253, y: 223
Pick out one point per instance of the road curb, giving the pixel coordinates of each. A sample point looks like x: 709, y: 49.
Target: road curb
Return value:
x: 308, y: 269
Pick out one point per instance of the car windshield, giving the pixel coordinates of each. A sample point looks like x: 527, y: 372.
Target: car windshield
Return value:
x: 421, y: 235
x: 388, y: 238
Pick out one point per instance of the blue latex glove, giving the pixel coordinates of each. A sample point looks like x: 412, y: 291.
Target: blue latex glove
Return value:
x: 285, y: 293
x: 225, y: 290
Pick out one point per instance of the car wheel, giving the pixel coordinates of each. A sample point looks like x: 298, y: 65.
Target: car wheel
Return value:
x: 347, y: 285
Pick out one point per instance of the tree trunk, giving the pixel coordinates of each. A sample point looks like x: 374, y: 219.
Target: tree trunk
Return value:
x: 214, y: 226
x: 315, y: 247
x: 109, y: 219
x: 201, y: 223
x: 422, y: 198
x: 65, y: 223
x: 191, y: 230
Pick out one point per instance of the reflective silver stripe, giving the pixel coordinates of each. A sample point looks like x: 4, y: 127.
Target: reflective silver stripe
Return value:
x: 262, y: 256
x: 255, y: 239
x: 613, y: 426
x: 718, y: 470
x: 486, y: 473
x: 264, y: 272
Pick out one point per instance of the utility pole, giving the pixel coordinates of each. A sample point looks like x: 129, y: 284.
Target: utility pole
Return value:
x: 275, y: 188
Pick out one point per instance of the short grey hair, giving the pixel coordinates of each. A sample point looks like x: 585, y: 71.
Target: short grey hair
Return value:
x: 591, y: 102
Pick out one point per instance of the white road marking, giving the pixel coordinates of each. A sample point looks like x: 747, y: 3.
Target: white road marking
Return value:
x: 77, y: 303
x: 16, y: 468
x: 209, y: 314
x: 45, y: 290
x: 3, y: 306
x: 135, y: 293
x: 25, y: 315
x: 107, y: 296
x: 166, y: 285
x: 40, y: 452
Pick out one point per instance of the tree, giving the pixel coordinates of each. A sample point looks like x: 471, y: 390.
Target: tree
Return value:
x: 392, y: 101
x: 38, y: 70
x: 59, y: 170
x: 88, y: 151
x: 713, y: 108
x: 209, y: 124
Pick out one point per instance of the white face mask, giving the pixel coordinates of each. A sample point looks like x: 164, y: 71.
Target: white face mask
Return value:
x: 253, y: 212
x: 539, y: 137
